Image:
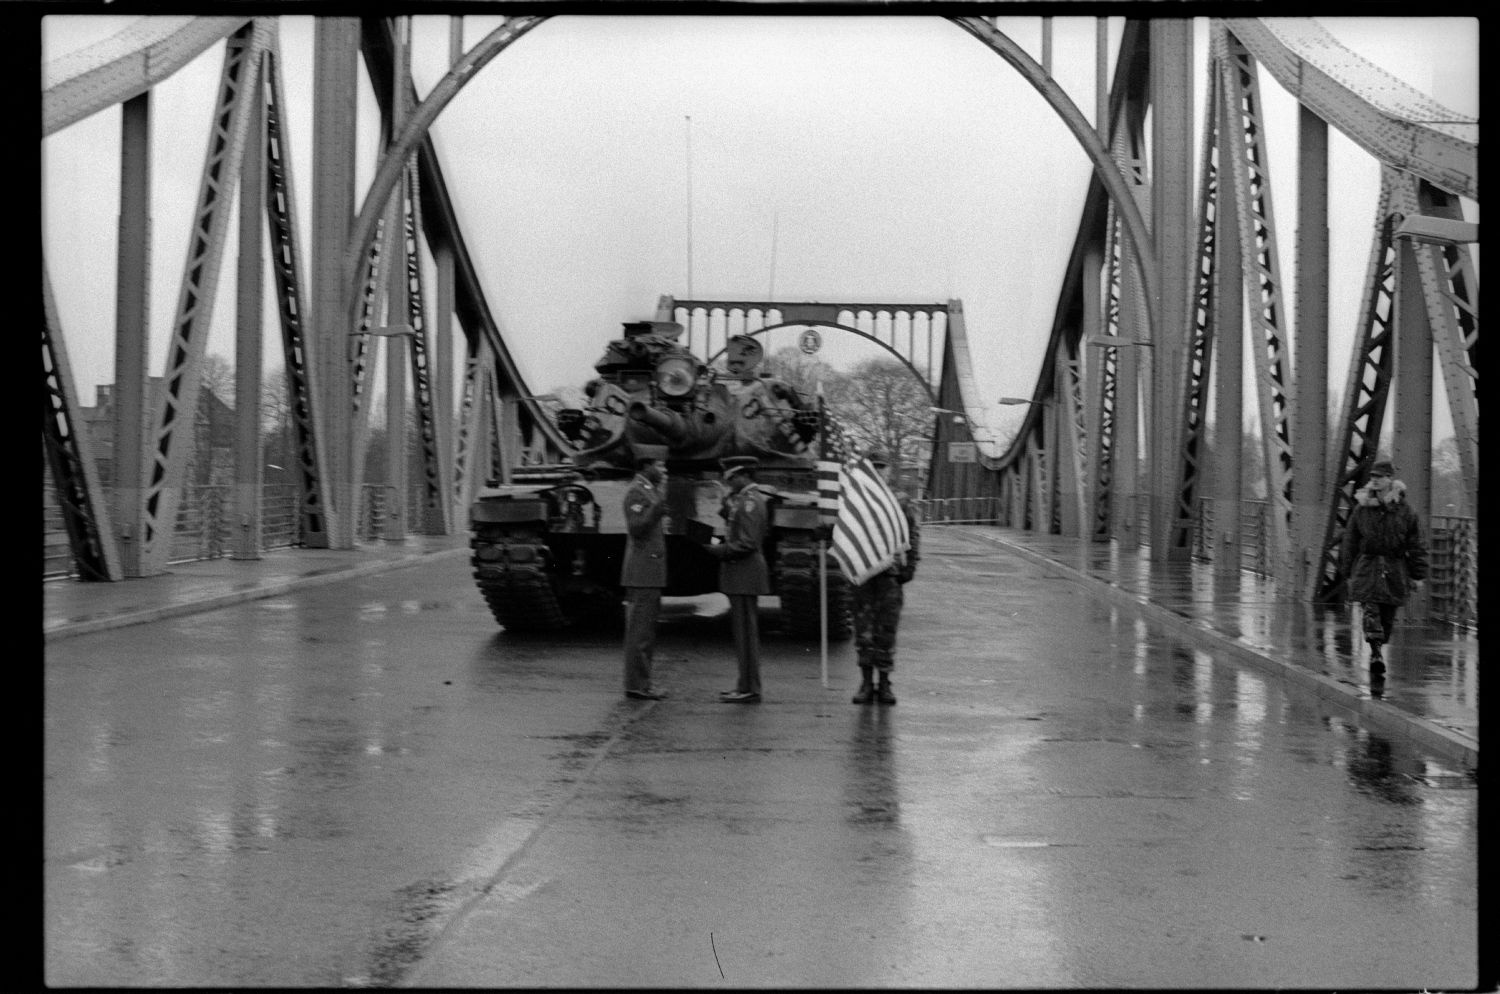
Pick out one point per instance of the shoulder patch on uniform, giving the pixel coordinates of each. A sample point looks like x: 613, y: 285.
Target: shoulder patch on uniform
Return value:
x: 636, y: 508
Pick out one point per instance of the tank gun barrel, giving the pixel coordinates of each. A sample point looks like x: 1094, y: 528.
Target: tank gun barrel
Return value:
x: 671, y: 425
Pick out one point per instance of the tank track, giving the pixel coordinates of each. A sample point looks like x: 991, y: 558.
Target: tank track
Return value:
x: 797, y: 585
x: 511, y: 571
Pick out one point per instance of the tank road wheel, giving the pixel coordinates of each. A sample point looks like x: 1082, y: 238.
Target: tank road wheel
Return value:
x: 511, y: 571
x: 797, y: 585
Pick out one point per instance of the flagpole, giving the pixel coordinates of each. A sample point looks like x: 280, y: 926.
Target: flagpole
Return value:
x: 822, y: 550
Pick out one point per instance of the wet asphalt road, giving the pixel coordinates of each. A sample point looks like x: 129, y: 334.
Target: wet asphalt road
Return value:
x: 365, y: 783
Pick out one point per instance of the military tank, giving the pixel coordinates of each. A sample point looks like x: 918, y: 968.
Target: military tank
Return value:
x: 547, y: 547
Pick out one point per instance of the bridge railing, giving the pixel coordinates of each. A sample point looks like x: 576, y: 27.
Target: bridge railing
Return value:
x: 958, y: 510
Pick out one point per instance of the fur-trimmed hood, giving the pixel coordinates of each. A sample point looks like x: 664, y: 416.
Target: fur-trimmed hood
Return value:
x: 1396, y: 494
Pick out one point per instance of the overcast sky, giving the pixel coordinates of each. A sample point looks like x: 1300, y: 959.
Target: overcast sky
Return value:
x: 896, y: 159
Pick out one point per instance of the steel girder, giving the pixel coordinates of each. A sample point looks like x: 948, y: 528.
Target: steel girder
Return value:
x: 375, y: 275
x: 125, y: 65
x: 179, y: 396
x: 1109, y: 366
x: 65, y: 444
x: 436, y: 495
x: 249, y: 327
x: 746, y: 317
x: 286, y: 268
x: 1451, y: 290
x: 1076, y: 408
x: 469, y: 462
x: 131, y: 392
x: 1397, y: 124
x: 1250, y: 171
x: 1201, y: 340
x: 1370, y: 368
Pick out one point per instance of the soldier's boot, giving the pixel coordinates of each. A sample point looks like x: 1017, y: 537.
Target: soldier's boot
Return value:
x: 866, y: 692
x: 1377, y: 660
x: 883, y: 693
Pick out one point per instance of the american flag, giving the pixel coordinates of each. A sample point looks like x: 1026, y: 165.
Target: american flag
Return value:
x: 869, y: 527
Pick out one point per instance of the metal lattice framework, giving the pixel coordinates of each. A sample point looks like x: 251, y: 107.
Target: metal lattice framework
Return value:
x: 897, y: 328
x: 286, y: 265
x: 179, y: 398
x: 66, y: 448
x: 1081, y: 437
x: 1257, y: 225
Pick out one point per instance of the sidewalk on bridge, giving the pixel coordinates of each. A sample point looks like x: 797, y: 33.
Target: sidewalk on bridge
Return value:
x: 1430, y: 694
x: 70, y: 607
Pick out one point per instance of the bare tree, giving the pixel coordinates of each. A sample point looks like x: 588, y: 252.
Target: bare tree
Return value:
x: 881, y: 404
x: 217, y: 374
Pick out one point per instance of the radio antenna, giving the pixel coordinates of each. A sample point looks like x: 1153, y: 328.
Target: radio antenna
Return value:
x: 689, y: 119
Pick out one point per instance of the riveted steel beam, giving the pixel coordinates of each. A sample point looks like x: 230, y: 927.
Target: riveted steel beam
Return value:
x: 1250, y: 170
x: 125, y: 65
x: 249, y: 285
x: 1451, y: 291
x: 1201, y: 340
x: 1371, y: 365
x: 70, y: 456
x: 435, y: 501
x: 177, y: 406
x: 303, y: 397
x: 1397, y: 124
x: 132, y: 333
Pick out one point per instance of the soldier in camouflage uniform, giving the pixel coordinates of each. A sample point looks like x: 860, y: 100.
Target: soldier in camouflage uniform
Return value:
x: 877, y: 608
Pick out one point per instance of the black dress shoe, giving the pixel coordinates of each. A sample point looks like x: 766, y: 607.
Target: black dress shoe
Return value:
x: 648, y: 694
x: 739, y: 697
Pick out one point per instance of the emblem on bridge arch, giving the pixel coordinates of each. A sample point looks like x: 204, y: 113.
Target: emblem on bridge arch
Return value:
x: 810, y: 341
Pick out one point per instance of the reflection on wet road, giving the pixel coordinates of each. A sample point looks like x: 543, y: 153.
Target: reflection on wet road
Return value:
x: 366, y: 785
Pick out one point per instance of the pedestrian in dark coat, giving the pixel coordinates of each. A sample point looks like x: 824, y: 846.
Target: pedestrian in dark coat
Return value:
x: 743, y: 576
x: 644, y: 572
x: 1383, y: 555
x: 877, y: 607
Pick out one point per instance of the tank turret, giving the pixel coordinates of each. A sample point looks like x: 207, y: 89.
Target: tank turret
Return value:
x: 652, y: 391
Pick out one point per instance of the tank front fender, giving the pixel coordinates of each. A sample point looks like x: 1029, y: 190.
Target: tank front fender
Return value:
x: 508, y: 511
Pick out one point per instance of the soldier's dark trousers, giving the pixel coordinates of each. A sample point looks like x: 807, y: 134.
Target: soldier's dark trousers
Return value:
x: 642, y: 604
x: 744, y: 619
x: 1377, y: 621
x: 877, y: 613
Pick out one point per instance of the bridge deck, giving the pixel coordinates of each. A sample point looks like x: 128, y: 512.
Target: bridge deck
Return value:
x: 363, y: 783
x: 1430, y: 695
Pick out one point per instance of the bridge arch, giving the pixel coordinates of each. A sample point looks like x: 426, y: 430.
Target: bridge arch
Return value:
x: 926, y: 384
x: 467, y: 68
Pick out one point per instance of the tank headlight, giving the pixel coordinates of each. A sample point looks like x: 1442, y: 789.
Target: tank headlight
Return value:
x: 676, y: 376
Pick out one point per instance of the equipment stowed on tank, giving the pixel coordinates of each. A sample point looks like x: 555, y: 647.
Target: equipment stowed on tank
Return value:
x: 547, y: 547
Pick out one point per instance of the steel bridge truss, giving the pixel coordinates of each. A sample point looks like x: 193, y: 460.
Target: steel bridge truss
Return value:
x: 250, y: 90
x: 912, y: 333
x: 1074, y: 467
x: 1086, y: 414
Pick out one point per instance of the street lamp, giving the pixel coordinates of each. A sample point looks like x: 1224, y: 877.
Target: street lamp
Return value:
x: 958, y: 416
x: 1008, y: 401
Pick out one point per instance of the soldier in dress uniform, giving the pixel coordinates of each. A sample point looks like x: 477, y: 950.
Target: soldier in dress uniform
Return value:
x: 644, y: 572
x: 742, y: 570
x: 877, y: 607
